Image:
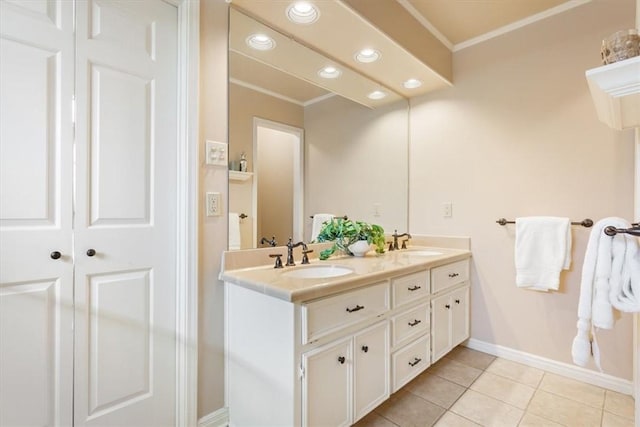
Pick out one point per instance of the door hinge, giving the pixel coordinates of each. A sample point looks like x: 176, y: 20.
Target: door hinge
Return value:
x: 301, y: 372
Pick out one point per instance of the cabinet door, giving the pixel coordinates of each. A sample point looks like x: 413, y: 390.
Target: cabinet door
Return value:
x: 326, y: 388
x: 460, y: 315
x: 371, y: 370
x: 440, y: 326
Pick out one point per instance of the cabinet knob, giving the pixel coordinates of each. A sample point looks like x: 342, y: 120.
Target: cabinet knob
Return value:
x: 415, y: 361
x: 356, y: 308
x: 447, y: 306
x: 457, y: 301
x: 414, y: 288
x: 341, y: 359
x: 91, y: 252
x: 365, y: 348
x: 55, y: 255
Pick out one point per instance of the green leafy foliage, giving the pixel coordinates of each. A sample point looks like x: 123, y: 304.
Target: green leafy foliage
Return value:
x: 344, y: 232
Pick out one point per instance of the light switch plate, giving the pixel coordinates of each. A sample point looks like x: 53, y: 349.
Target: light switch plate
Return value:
x: 216, y: 153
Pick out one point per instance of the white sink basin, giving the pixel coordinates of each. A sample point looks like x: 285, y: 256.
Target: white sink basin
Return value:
x: 318, y: 272
x: 425, y: 253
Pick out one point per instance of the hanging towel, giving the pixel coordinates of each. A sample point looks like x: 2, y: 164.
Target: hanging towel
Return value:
x: 543, y: 249
x: 610, y: 278
x: 234, y: 231
x: 318, y: 220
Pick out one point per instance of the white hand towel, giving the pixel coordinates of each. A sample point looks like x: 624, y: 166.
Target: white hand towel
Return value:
x: 318, y: 220
x: 610, y: 278
x: 234, y: 231
x: 543, y: 249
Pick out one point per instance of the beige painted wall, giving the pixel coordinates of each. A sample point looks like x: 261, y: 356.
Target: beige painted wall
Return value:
x: 213, y: 230
x: 518, y: 135
x: 357, y: 157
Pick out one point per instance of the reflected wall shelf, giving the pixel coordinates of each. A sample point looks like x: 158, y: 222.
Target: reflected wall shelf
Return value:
x: 615, y: 89
x: 239, y: 176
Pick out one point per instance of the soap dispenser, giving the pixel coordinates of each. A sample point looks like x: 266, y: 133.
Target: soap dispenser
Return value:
x: 243, y: 162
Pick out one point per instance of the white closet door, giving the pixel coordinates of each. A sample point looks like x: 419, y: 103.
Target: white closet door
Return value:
x: 126, y: 139
x: 36, y: 136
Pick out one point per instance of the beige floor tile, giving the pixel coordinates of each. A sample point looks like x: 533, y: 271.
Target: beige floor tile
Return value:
x: 572, y: 389
x: 475, y: 359
x: 613, y: 420
x: 436, y: 389
x: 374, y: 420
x: 530, y: 420
x: 619, y: 404
x: 407, y: 409
x: 486, y: 410
x: 564, y: 411
x: 449, y: 419
x: 453, y: 371
x: 516, y: 372
x: 503, y: 389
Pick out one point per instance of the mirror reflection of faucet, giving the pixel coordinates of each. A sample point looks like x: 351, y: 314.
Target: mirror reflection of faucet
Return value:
x: 272, y: 242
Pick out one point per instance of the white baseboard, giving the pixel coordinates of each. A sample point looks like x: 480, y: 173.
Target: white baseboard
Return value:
x: 570, y: 371
x: 219, y: 418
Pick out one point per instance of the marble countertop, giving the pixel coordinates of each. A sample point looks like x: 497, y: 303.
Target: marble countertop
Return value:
x: 366, y: 270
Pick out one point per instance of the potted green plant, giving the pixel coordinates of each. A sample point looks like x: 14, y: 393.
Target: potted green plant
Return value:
x: 345, y: 232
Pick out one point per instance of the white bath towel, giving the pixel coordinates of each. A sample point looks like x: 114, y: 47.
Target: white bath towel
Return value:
x: 610, y: 278
x: 318, y: 220
x: 234, y: 231
x: 543, y: 249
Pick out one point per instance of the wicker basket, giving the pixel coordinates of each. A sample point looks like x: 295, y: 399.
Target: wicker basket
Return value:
x: 620, y: 45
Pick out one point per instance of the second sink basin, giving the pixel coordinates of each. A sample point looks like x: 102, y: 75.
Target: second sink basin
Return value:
x: 318, y: 272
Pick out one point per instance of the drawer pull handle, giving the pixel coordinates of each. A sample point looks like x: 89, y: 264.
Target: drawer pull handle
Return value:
x: 415, y: 322
x: 356, y: 308
x: 341, y: 359
x: 447, y: 306
x: 415, y: 361
x: 414, y: 288
x: 365, y: 348
x: 457, y: 301
x: 452, y: 275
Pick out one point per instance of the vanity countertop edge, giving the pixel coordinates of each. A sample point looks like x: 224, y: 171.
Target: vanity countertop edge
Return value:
x: 366, y: 270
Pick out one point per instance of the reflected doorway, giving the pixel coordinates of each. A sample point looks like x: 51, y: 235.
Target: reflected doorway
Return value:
x: 278, y: 187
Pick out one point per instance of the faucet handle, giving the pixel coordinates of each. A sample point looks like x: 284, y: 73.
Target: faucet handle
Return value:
x: 278, y: 260
x: 305, y: 257
x: 390, y: 246
x: 404, y: 244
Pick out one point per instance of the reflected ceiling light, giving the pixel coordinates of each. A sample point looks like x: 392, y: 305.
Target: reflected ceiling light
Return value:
x: 377, y: 94
x: 302, y: 12
x: 412, y: 83
x: 329, y: 72
x: 260, y: 42
x: 368, y: 55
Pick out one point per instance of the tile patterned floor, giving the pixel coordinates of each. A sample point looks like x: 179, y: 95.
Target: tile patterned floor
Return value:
x: 470, y: 388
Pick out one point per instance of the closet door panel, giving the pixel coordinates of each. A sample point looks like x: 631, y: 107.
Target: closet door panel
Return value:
x: 126, y: 139
x: 36, y: 263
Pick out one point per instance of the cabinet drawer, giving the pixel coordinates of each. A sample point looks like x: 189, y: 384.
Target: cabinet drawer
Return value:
x: 408, y: 288
x: 410, y: 324
x: 327, y: 315
x: 410, y: 361
x: 448, y: 275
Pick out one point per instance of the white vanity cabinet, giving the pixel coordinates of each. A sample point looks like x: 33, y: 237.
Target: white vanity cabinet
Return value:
x: 346, y: 379
x: 449, y: 307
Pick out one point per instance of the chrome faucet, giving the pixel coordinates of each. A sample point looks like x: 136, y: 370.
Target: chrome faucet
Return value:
x: 271, y: 242
x: 395, y: 235
x: 305, y: 251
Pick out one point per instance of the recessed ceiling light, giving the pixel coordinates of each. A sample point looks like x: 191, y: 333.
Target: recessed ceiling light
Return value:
x: 377, y: 94
x: 412, y: 83
x: 368, y: 55
x: 329, y: 72
x: 261, y: 42
x: 302, y: 12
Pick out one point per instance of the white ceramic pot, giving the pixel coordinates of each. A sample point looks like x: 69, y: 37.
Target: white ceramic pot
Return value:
x: 359, y: 248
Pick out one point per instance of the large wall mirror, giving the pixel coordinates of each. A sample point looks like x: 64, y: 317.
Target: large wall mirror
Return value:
x: 312, y: 145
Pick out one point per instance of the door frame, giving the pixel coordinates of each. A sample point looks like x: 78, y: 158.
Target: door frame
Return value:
x: 187, y: 218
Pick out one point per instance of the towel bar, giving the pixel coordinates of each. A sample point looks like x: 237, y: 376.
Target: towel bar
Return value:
x: 585, y: 222
x: 343, y: 217
x: 612, y: 231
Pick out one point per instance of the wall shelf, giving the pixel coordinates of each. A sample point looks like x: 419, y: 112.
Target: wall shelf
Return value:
x: 239, y: 176
x: 615, y: 89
